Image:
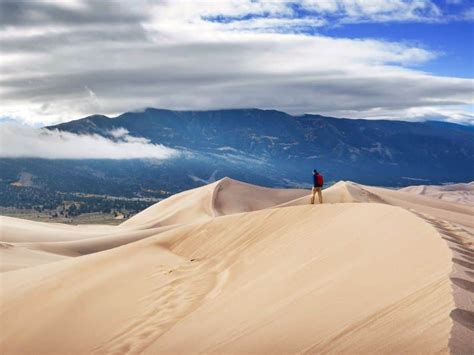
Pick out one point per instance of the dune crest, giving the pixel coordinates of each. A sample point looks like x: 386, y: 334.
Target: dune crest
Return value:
x: 234, y: 267
x: 458, y: 193
x: 225, y: 196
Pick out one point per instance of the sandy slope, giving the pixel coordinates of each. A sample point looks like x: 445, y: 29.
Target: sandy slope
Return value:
x: 232, y: 267
x: 223, y: 197
x: 459, y: 193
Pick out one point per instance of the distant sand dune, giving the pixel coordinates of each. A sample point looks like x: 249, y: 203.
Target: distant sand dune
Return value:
x: 459, y: 193
x: 236, y: 268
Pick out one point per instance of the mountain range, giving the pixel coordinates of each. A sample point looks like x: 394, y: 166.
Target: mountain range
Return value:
x: 370, y: 151
x: 264, y: 147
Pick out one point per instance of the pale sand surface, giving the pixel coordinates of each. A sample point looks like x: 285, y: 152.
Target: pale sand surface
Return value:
x: 460, y: 193
x: 235, y: 268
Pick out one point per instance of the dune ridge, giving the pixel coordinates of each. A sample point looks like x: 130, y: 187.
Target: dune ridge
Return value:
x: 459, y: 193
x: 234, y: 267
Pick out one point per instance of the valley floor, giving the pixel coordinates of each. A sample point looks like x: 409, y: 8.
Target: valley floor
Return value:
x: 236, y: 268
x: 85, y: 218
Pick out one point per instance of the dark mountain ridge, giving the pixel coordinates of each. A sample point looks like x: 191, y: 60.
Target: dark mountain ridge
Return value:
x: 369, y: 151
x: 265, y: 147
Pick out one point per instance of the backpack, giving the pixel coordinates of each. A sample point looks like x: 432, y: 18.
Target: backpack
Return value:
x: 320, y: 180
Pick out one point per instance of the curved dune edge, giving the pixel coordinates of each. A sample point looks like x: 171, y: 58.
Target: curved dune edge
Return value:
x: 459, y: 193
x: 226, y: 196
x: 205, y: 266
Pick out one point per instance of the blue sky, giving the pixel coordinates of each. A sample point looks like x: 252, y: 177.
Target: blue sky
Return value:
x: 453, y: 41
x: 451, y: 35
x: 374, y: 59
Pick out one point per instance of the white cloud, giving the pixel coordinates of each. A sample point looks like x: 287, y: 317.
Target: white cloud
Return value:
x: 469, y: 14
x: 91, y: 58
x: 119, y: 132
x: 26, y: 142
x: 354, y: 11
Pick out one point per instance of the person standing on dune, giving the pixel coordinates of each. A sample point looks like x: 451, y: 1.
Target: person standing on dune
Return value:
x: 318, y: 183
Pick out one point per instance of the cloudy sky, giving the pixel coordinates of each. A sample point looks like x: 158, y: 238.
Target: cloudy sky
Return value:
x: 395, y: 59
x: 20, y: 141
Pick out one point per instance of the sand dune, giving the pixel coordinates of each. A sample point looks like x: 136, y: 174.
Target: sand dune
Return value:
x: 223, y: 197
x: 14, y: 257
x: 459, y: 193
x: 236, y: 268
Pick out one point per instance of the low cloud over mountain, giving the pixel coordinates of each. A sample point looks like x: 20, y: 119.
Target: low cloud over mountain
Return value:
x: 25, y: 142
